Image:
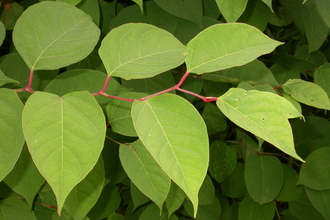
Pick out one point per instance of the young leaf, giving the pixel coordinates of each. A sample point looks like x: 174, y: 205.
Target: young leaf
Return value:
x: 135, y: 51
x: 65, y: 137
x: 264, y: 114
x: 175, y: 134
x: 221, y: 47
x: 263, y: 177
x: 231, y: 10
x: 11, y: 135
x: 307, y: 93
x: 145, y: 172
x: 71, y: 35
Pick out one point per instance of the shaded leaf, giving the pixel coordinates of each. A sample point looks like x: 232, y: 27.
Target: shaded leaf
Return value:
x: 303, y: 209
x: 231, y: 10
x: 140, y: 4
x: 264, y: 114
x: 211, y: 211
x: 71, y: 2
x: 175, y: 138
x: 256, y: 14
x: 138, y: 197
x: 322, y: 77
x: 65, y: 137
x: 268, y: 3
x: 234, y: 185
x: 220, y: 47
x: 10, y: 16
x: 174, y: 199
x: 214, y: 119
x: 2, y: 32
x: 91, y: 7
x: 134, y: 51
x: 320, y: 200
x: 145, y: 172
x: 11, y: 135
x: 250, y: 210
x: 4, y: 79
x: 283, y: 73
x: 71, y: 35
x: 15, y: 209
x: 323, y: 8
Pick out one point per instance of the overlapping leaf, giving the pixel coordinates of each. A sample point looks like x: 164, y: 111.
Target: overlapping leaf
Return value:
x: 232, y: 10
x: 50, y: 35
x: 264, y: 114
x: 175, y: 134
x: 134, y: 51
x: 65, y: 137
x: 221, y: 47
x: 11, y: 135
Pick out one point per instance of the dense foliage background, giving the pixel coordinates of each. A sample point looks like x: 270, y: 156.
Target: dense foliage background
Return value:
x: 165, y: 109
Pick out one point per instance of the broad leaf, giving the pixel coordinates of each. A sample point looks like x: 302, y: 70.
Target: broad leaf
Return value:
x: 307, y: 93
x: 175, y: 134
x: 71, y: 2
x: 4, y: 79
x: 140, y: 4
x: 322, y: 77
x: 71, y: 35
x: 269, y: 4
x: 15, y: 209
x: 315, y: 173
x: 138, y: 197
x: 65, y: 137
x: 303, y: 209
x: 145, y: 172
x: 174, y: 198
x: 250, y: 210
x: 264, y: 114
x: 323, y: 8
x: 231, y: 10
x: 234, y: 185
x: 320, y: 200
x: 263, y: 177
x: 210, y: 211
x: 11, y: 135
x: 134, y: 51
x: 91, y: 7
x: 220, y: 47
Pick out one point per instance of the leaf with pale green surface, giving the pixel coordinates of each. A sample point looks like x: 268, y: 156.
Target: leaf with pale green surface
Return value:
x: 307, y: 92
x: 11, y: 135
x: 322, y: 77
x: 145, y: 172
x: 137, y: 50
x: 25, y: 178
x: 5, y: 79
x: 85, y: 194
x: 263, y: 177
x: 65, y: 136
x: 231, y: 10
x: 71, y: 2
x: 14, y: 208
x: 138, y: 197
x: 175, y: 138
x: 264, y: 114
x: 71, y: 35
x: 220, y: 47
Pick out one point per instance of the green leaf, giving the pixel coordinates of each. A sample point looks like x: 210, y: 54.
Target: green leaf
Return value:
x: 264, y: 114
x: 307, y: 92
x: 4, y: 79
x: 174, y: 199
x: 138, y: 197
x: 115, y: 216
x: 10, y: 16
x: 71, y: 2
x: 175, y: 138
x: 231, y: 10
x: 223, y: 161
x: 269, y: 4
x: 134, y: 51
x: 322, y: 77
x: 65, y: 137
x: 211, y: 9
x: 210, y: 211
x: 145, y: 172
x: 315, y: 173
x: 91, y: 7
x: 2, y: 32
x: 263, y: 177
x: 283, y: 73
x: 214, y: 119
x: 140, y: 4
x: 220, y: 47
x: 71, y: 35
x: 11, y: 135
x: 250, y: 210
x: 303, y: 209
x: 152, y: 212
x: 15, y: 209
x: 189, y: 10
x: 256, y: 14
x: 85, y: 194
x: 254, y: 72
x: 320, y: 200
x: 323, y: 8
x: 25, y: 179
x: 234, y: 185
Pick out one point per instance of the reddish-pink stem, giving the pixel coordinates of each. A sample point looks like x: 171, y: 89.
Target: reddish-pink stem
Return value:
x: 276, y: 88
x: 205, y: 99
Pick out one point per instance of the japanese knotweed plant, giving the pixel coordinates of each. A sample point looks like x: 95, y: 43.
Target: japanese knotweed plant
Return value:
x: 106, y: 106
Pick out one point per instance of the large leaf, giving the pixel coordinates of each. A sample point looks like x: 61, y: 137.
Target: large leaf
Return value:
x: 50, y: 35
x: 307, y: 93
x: 11, y: 135
x: 303, y: 209
x: 264, y: 114
x: 250, y: 210
x: 231, y: 10
x: 175, y: 134
x: 320, y: 200
x: 263, y: 177
x: 221, y: 47
x: 134, y: 51
x: 65, y: 137
x: 145, y: 172
x: 323, y: 8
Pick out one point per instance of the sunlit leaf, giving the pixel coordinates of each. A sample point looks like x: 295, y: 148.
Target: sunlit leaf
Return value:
x: 71, y: 35
x: 65, y: 137
x: 136, y: 50
x: 231, y: 10
x: 175, y: 138
x: 220, y: 47
x: 71, y: 2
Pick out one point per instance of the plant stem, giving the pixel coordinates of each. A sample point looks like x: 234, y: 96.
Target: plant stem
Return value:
x: 28, y: 88
x: 205, y: 99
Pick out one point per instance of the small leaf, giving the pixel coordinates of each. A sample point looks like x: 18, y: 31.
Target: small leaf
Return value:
x: 4, y: 79
x: 268, y: 3
x: 140, y: 4
x: 250, y: 210
x: 15, y: 208
x: 71, y: 35
x: 231, y: 10
x: 175, y: 138
x: 65, y: 137
x: 2, y: 32
x: 145, y: 172
x: 315, y: 173
x: 220, y: 47
x: 11, y: 135
x: 136, y: 50
x: 263, y: 177
x: 264, y: 114
x: 307, y: 93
